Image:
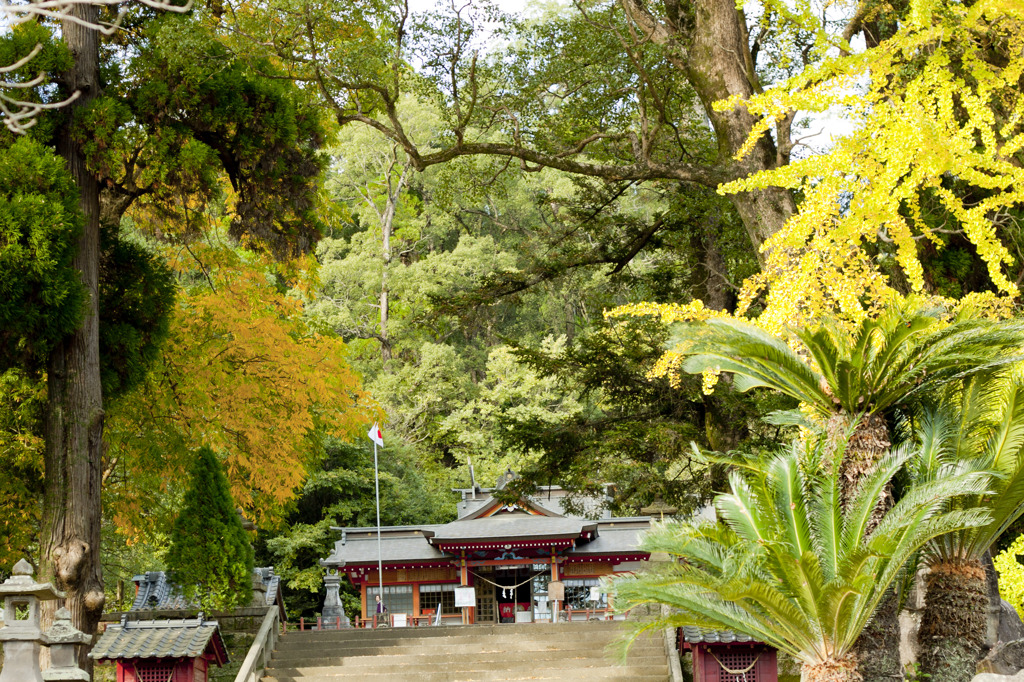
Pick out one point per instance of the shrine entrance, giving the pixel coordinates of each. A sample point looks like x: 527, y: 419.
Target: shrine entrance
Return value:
x: 512, y: 593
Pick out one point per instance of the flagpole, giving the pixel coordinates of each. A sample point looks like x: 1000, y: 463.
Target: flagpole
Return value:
x: 380, y: 555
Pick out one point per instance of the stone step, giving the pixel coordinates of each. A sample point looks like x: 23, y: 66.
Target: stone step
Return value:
x: 632, y: 674
x: 283, y: 659
x: 375, y: 647
x: 527, y: 651
x: 381, y: 637
x: 447, y: 630
x: 441, y: 633
x: 466, y: 661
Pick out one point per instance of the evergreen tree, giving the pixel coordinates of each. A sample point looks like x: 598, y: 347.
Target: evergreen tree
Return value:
x: 210, y: 555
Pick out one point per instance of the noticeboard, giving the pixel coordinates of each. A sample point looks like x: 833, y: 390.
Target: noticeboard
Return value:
x: 465, y: 596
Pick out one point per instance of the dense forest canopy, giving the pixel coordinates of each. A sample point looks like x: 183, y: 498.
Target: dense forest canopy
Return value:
x: 260, y: 227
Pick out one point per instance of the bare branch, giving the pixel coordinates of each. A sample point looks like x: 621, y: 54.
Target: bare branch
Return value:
x: 19, y: 114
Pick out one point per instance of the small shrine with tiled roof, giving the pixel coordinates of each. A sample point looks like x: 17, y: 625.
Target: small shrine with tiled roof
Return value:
x: 531, y: 560
x: 720, y: 655
x: 162, y: 650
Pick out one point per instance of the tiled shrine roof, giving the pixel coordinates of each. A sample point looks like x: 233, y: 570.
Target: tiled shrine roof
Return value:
x: 188, y: 638
x: 695, y: 635
x: 157, y: 592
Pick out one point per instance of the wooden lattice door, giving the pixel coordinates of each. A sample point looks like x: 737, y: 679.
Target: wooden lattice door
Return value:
x: 736, y: 664
x: 486, y: 603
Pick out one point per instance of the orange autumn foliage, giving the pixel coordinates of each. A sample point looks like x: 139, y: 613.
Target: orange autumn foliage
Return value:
x: 243, y: 373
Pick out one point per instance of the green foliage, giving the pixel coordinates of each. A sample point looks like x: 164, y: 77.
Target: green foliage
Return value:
x: 210, y: 557
x: 913, y: 673
x: 341, y: 493
x: 637, y: 429
x: 977, y: 424
x: 1011, y: 574
x: 41, y: 295
x: 22, y: 401
x: 16, y: 43
x: 789, y: 564
x: 510, y: 392
x: 215, y: 108
x: 137, y: 293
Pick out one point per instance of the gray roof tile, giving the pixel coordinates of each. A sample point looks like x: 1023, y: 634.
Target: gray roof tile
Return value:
x: 360, y: 546
x: 511, y: 526
x: 157, y: 592
x: 159, y: 639
x: 411, y: 543
x: 695, y: 635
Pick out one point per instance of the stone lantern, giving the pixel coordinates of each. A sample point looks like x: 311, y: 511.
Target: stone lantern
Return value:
x: 21, y: 635
x: 333, y: 615
x: 62, y: 638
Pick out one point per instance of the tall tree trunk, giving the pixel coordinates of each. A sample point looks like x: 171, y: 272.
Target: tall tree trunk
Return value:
x: 954, y: 621
x: 709, y: 42
x: 385, y: 339
x: 842, y: 669
x: 387, y: 221
x: 716, y: 293
x: 74, y: 419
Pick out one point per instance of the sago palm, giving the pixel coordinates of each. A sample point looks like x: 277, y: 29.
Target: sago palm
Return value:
x: 791, y: 566
x: 976, y: 425
x: 854, y: 378
x: 851, y: 377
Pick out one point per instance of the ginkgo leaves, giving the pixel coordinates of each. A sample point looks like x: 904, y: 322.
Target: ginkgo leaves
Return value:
x: 939, y: 126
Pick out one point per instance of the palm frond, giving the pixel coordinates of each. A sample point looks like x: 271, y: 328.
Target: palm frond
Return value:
x: 768, y: 570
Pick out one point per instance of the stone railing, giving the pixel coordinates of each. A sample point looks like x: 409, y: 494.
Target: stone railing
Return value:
x: 262, y: 648
x: 246, y: 619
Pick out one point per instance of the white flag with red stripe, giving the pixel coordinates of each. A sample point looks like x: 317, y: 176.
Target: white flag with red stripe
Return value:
x: 375, y: 435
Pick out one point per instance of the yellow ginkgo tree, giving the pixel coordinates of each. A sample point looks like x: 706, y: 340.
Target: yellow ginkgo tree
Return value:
x: 936, y: 147
x: 938, y: 121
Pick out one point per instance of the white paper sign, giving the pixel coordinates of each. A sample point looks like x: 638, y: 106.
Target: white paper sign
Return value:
x: 465, y: 596
x: 595, y: 593
x: 401, y: 620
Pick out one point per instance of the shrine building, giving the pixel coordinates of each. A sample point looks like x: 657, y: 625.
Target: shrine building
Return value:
x: 525, y: 561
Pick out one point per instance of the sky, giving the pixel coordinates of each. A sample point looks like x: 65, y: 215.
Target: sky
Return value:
x: 509, y: 6
x: 829, y: 126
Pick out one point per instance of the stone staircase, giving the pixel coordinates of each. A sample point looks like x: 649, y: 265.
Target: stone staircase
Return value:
x: 562, y: 651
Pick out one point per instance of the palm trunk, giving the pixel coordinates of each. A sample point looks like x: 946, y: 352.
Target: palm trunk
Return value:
x: 841, y: 669
x: 953, y: 623
x: 869, y: 443
x: 878, y: 647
